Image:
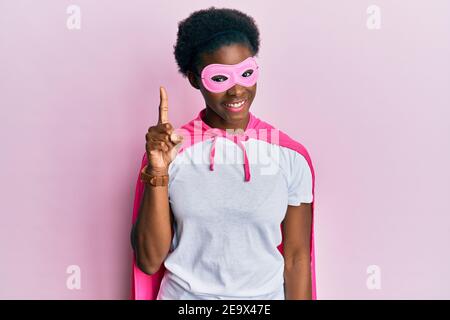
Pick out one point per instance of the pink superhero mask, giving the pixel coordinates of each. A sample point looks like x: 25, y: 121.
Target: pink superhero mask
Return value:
x: 221, y: 77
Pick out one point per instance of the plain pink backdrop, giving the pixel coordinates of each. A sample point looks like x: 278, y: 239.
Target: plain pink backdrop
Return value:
x: 371, y: 107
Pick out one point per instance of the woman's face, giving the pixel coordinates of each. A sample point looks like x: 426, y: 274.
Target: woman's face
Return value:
x: 218, y: 115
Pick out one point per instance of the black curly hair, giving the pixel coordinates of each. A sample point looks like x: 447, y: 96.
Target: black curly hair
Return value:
x: 207, y: 30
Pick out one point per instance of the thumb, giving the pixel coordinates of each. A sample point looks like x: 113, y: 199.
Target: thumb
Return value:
x: 174, y: 150
x: 176, y: 138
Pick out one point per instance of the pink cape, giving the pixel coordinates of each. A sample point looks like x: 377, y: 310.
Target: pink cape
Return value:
x: 146, y: 287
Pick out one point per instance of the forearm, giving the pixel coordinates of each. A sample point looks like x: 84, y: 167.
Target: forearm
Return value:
x: 297, y: 278
x: 153, y: 229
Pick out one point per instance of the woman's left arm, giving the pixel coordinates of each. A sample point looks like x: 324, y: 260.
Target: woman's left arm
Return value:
x: 297, y: 256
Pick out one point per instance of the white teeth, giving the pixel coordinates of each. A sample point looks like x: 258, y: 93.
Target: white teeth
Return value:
x: 235, y: 105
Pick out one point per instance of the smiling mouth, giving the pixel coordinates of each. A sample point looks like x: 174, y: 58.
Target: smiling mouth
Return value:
x: 235, y: 105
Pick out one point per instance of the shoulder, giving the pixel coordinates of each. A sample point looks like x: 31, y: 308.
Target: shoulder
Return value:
x: 292, y: 146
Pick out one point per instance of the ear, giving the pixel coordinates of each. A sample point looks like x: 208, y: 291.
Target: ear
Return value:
x: 193, y: 79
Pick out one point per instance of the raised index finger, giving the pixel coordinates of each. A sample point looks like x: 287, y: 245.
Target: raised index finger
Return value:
x: 163, y: 106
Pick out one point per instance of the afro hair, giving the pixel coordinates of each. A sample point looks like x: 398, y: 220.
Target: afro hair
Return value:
x: 207, y: 30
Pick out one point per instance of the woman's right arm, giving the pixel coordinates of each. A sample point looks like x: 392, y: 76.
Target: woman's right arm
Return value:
x: 152, y: 233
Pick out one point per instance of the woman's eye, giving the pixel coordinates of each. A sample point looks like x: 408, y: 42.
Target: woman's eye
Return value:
x: 247, y: 72
x: 219, y: 78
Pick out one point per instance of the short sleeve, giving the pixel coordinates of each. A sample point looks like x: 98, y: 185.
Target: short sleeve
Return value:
x: 300, y: 181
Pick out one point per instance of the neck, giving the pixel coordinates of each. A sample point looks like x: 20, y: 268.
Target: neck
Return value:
x: 213, y: 120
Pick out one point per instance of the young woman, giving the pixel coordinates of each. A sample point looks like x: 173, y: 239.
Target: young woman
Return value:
x: 223, y: 207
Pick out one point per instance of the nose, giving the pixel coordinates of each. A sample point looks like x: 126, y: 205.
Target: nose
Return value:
x: 236, y: 90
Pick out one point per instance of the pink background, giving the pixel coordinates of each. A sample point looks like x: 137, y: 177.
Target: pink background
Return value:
x: 371, y: 107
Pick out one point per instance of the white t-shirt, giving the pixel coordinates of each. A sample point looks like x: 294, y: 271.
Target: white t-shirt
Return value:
x: 227, y: 229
